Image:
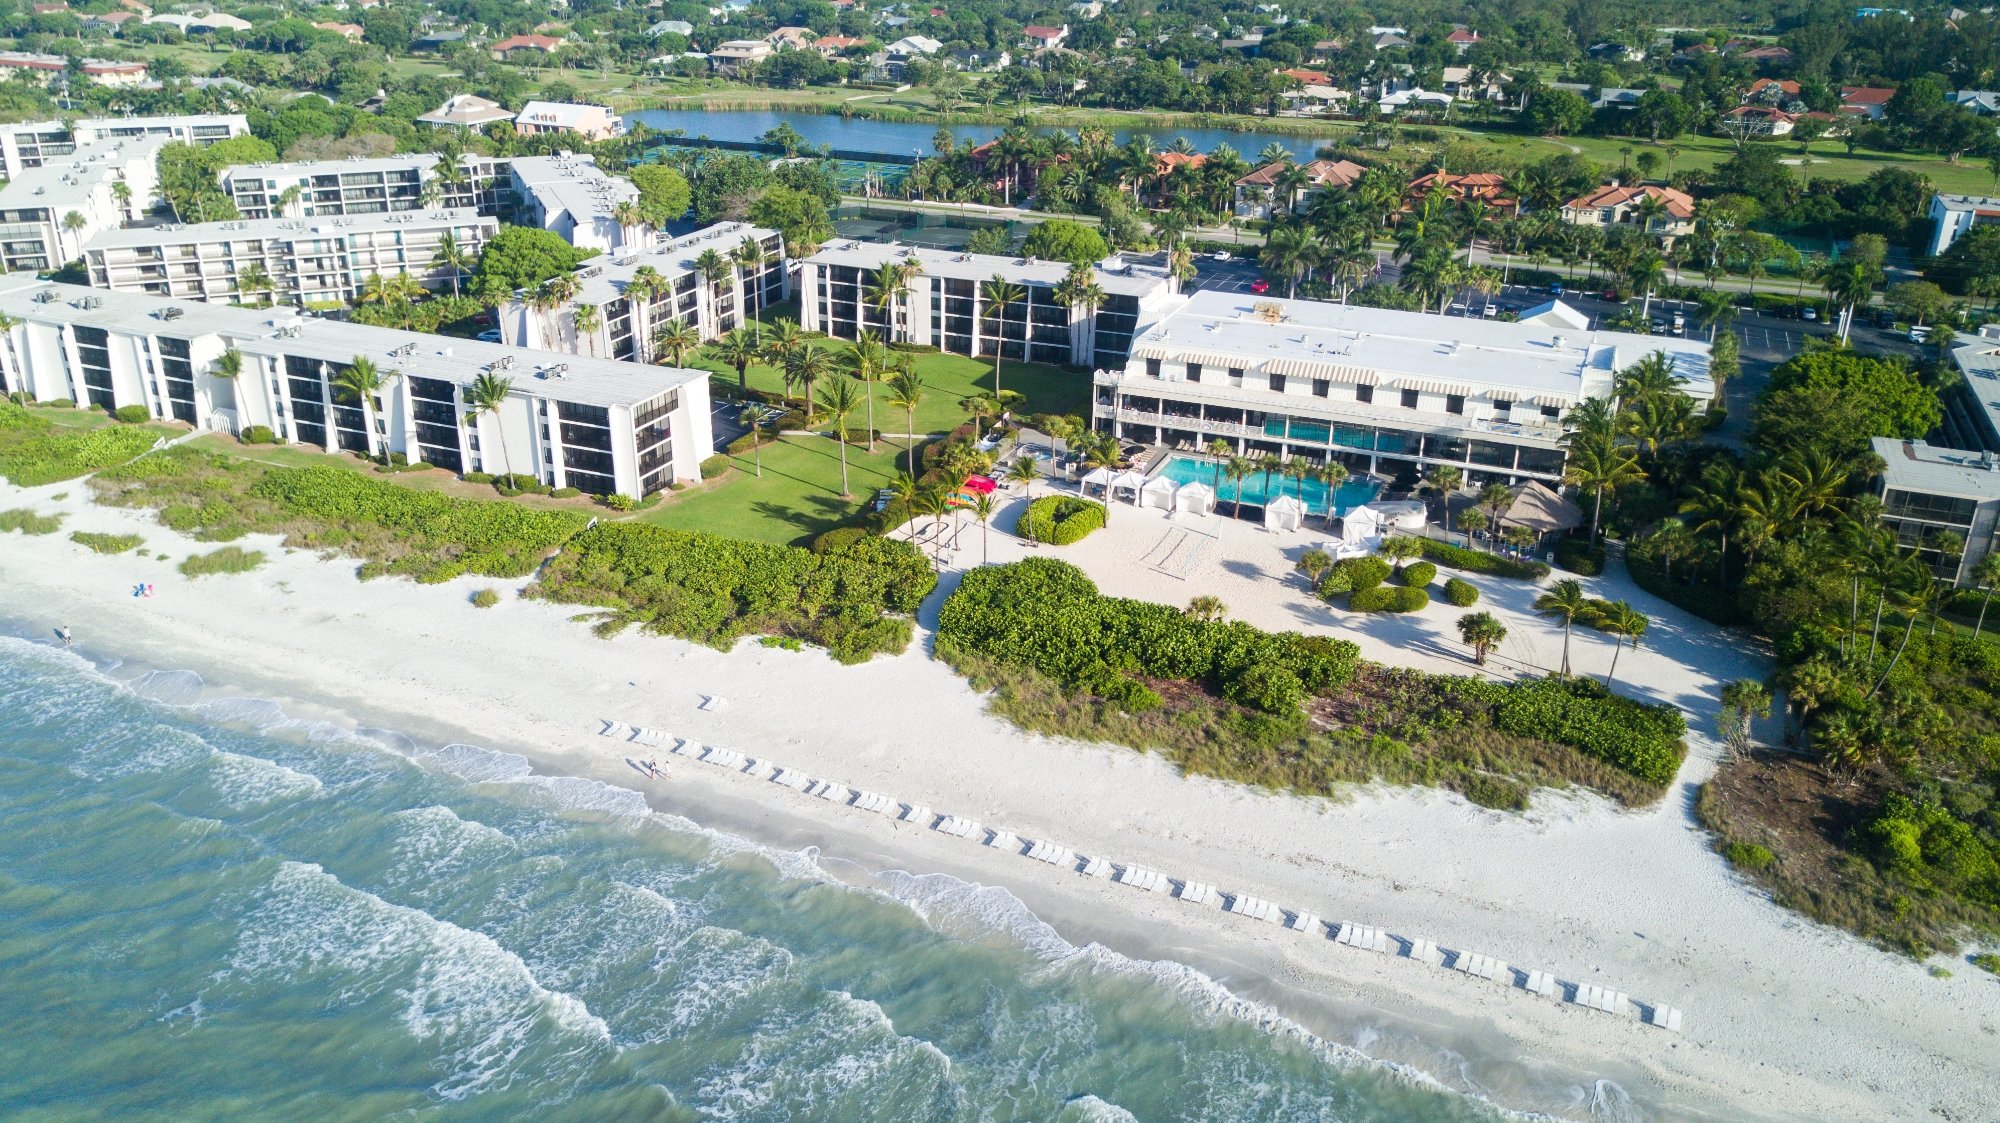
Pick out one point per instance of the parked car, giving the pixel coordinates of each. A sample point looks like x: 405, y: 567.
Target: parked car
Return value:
x: 1490, y: 309
x: 1809, y: 314
x: 490, y: 335
x: 1222, y: 255
x: 1680, y: 321
x: 1260, y: 286
x: 1920, y: 333
x: 1556, y: 289
x: 1885, y: 319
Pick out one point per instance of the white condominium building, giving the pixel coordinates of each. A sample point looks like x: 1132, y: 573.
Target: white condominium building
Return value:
x: 48, y: 213
x: 944, y: 303
x: 569, y: 194
x: 597, y: 425
x: 628, y: 319
x: 284, y: 260
x: 31, y: 143
x: 1385, y: 392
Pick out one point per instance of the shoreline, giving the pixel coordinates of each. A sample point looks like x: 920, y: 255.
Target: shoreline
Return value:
x: 1574, y: 886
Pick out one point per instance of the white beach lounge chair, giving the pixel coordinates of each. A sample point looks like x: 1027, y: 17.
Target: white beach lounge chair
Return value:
x: 722, y: 758
x: 1666, y: 1017
x: 1256, y: 908
x: 834, y: 793
x: 1139, y: 877
x: 1542, y: 983
x: 957, y: 827
x: 1004, y: 840
x: 1306, y: 922
x: 757, y: 769
x: 918, y: 813
x: 1195, y: 892
x: 791, y: 778
x: 1096, y: 867
x: 686, y: 747
x: 1363, y: 937
x: 1424, y: 951
x: 713, y: 702
x: 615, y: 729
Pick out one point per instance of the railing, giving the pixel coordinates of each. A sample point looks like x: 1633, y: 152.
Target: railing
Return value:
x: 1168, y: 420
x: 1105, y: 378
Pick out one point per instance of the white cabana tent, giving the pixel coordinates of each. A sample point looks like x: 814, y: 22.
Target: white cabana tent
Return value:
x: 1284, y: 513
x: 1158, y: 492
x: 1097, y: 477
x: 1133, y: 482
x: 1363, y: 527
x: 1195, y: 498
x: 1402, y: 514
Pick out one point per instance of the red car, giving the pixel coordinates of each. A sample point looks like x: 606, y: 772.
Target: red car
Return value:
x: 1260, y: 286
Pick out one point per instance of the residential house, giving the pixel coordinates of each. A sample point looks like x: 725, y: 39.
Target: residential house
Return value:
x: 1952, y: 215
x: 1602, y: 97
x: 833, y: 46
x: 791, y: 38
x: 351, y: 32
x: 1256, y: 193
x: 1771, y: 56
x: 1469, y: 84
x: 1622, y: 205
x: 436, y: 40
x: 524, y: 47
x: 1783, y: 93
x: 678, y: 27
x: 1035, y: 37
x: 1929, y: 492
x: 1986, y: 103
x: 1758, y: 120
x: 465, y: 111
x: 739, y: 55
x: 1414, y: 100
x: 1086, y: 9
x: 202, y: 23
x: 1484, y: 187
x: 44, y: 69
x: 1306, y: 77
x: 111, y: 21
x: 591, y: 122
x: 1462, y: 39
x: 1389, y: 40
x: 1866, y: 101
x: 982, y: 61
x: 1615, y: 52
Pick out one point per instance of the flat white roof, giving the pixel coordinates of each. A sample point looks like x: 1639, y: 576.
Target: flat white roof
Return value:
x: 1115, y: 275
x: 1479, y: 354
x: 67, y: 181
x: 235, y: 121
x: 573, y: 183
x: 286, y: 331
x: 603, y: 279
x: 566, y: 114
x: 1966, y: 202
x: 283, y: 229
x: 1916, y: 466
x: 306, y: 169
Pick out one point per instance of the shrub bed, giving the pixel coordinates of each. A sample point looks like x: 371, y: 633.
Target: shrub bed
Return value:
x: 1383, y: 598
x: 1460, y: 593
x: 1353, y: 575
x: 28, y: 522
x: 1641, y: 739
x: 1579, y: 556
x: 714, y: 466
x: 1417, y: 575
x: 1061, y: 519
x: 229, y: 559
x: 107, y: 543
x: 854, y: 601
x: 1476, y: 561
x: 131, y: 415
x: 260, y: 435
x: 34, y: 451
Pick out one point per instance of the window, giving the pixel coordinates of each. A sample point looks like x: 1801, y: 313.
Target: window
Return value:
x: 1551, y: 412
x: 1322, y: 387
x: 1152, y: 368
x: 1277, y: 383
x: 1501, y: 405
x: 1409, y: 399
x: 1194, y: 372
x: 1236, y: 374
x: 1364, y: 393
x: 1454, y: 403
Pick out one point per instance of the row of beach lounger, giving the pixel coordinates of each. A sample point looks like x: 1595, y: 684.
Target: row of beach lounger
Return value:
x: 1357, y: 936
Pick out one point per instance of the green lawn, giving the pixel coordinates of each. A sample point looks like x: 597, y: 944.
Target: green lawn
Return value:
x: 948, y: 379
x: 796, y: 500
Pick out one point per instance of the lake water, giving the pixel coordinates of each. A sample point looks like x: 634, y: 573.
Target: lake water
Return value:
x: 1353, y: 491
x: 896, y: 138
x: 210, y: 910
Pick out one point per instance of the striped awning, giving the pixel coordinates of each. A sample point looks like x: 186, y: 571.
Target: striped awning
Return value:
x: 1433, y: 386
x: 1503, y: 395
x: 1555, y: 400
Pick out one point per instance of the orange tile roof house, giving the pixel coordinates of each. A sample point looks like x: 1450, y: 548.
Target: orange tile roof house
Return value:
x: 1462, y: 38
x: 1619, y: 205
x: 524, y: 44
x: 831, y: 45
x: 1485, y: 187
x: 1866, y: 101
x: 1035, y: 36
x: 1308, y: 77
x: 1762, y: 120
x: 1772, y: 89
x: 349, y: 31
x: 1256, y: 192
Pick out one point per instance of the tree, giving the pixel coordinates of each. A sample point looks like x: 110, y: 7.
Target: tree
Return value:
x: 1564, y: 601
x: 868, y: 362
x: 228, y: 365
x: 1985, y: 578
x: 906, y: 391
x: 1446, y: 478
x: 739, y: 349
x: 677, y: 338
x: 1482, y: 632
x: 983, y: 508
x: 254, y: 278
x: 805, y: 368
x: 1206, y: 608
x: 1000, y: 294
x: 524, y: 257
x: 1743, y: 701
x: 587, y: 318
x: 1332, y: 474
x: 1472, y: 522
x: 1400, y: 549
x: 1920, y: 302
x: 750, y: 260
x: 753, y: 420
x: 1622, y: 622
x: 1314, y: 564
x: 664, y: 194
x: 453, y: 259
x: 1496, y: 498
x: 800, y: 217
x: 488, y: 395
x: 1024, y: 471
x: 714, y: 268
x: 1837, y: 400
x: 839, y: 398
x: 1061, y: 239
x: 1974, y: 253
x: 361, y: 381
x: 1553, y: 112
x: 1238, y: 469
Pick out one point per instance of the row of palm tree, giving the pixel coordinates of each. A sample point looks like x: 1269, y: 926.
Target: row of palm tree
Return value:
x: 1567, y: 602
x: 1228, y: 464
x: 363, y: 382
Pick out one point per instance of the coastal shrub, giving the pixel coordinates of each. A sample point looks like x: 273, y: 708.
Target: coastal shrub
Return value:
x: 34, y: 451
x: 1988, y: 962
x: 1642, y: 739
x: 619, y: 501
x: 1418, y: 575
x: 28, y: 522
x: 790, y: 421
x: 260, y: 435
x: 1460, y: 593
x: 1060, y: 519
x: 1274, y: 690
x: 106, y: 543
x: 1475, y: 561
x: 714, y: 466
x: 1386, y: 599
x: 855, y: 602
x: 518, y: 483
x: 131, y: 415
x: 485, y: 598
x: 1353, y: 575
x: 566, y: 493
x: 477, y: 477
x: 229, y: 559
x: 745, y: 444
x: 1045, y: 614
x: 1748, y: 856
x: 839, y: 538
x: 1578, y: 556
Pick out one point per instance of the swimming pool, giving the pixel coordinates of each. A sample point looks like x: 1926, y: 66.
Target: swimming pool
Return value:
x: 1352, y: 492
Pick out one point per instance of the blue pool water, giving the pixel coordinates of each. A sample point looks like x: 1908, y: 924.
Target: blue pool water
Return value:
x: 1350, y: 494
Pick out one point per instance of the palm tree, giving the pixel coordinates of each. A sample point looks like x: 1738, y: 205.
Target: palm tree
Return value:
x: 752, y: 419
x: 906, y: 390
x: 361, y: 381
x: 228, y: 365
x: 1206, y: 608
x: 1269, y: 464
x: 453, y: 259
x: 1221, y: 451
x: 629, y: 216
x: 1851, y: 284
x: 839, y: 398
x: 1482, y: 632
x: 804, y: 368
x: 1597, y: 466
x: 1985, y: 576
x: 1024, y: 472
x: 1446, y: 478
x: 1623, y: 622
x: 587, y: 319
x: 1332, y: 473
x: 868, y: 362
x: 639, y: 293
x: 739, y: 350
x: 885, y: 289
x: 1647, y: 274
x: 1400, y: 549
x: 1564, y: 601
x: 750, y: 260
x: 1000, y: 292
x: 1713, y: 309
x: 487, y: 395
x: 254, y: 278
x: 982, y: 509
x: 677, y: 338
x: 1496, y: 498
x: 714, y: 269
x: 1238, y: 469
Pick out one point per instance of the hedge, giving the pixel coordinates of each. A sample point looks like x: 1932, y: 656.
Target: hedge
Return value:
x: 839, y: 538
x: 1384, y: 598
x: 1418, y: 575
x: 1460, y: 593
x: 714, y: 466
x: 1045, y: 614
x: 1578, y: 556
x: 855, y: 601
x: 1060, y: 519
x: 1644, y: 740
x: 1475, y: 561
x: 260, y: 435
x: 1353, y: 575
x: 131, y: 415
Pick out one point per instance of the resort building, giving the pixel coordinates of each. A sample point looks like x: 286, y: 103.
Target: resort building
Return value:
x: 1934, y: 496
x: 591, y: 122
x: 48, y: 213
x: 1952, y: 215
x: 284, y: 260
x: 318, y: 188
x: 944, y: 302
x: 465, y: 111
x: 597, y: 425
x: 1388, y: 393
x: 569, y: 194
x: 32, y: 143
x: 31, y: 66
x: 631, y: 313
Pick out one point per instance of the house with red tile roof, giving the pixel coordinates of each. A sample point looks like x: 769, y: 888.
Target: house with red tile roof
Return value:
x: 1866, y: 101
x: 1038, y: 36
x: 1485, y: 187
x: 832, y: 45
x: 1622, y: 205
x: 1759, y: 120
x: 1306, y: 77
x: 523, y: 45
x: 1462, y: 38
x: 1257, y: 193
x: 1772, y: 91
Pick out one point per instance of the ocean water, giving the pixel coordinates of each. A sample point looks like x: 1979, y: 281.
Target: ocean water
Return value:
x: 210, y: 910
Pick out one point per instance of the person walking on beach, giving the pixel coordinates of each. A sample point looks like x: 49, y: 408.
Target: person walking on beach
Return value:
x: 63, y: 631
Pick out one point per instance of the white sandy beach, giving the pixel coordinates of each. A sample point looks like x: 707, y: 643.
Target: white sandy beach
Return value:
x: 1784, y: 1019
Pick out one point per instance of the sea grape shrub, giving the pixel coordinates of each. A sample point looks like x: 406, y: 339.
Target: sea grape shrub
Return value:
x: 131, y: 415
x: 34, y: 452
x: 1353, y: 575
x: 839, y: 538
x: 1418, y: 575
x: 1642, y: 739
x: 855, y: 601
x: 1274, y: 690
x: 1047, y: 615
x: 1926, y: 845
x: 1460, y: 593
x: 260, y: 435
x: 1061, y: 519
x: 1476, y: 561
x: 1386, y: 599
